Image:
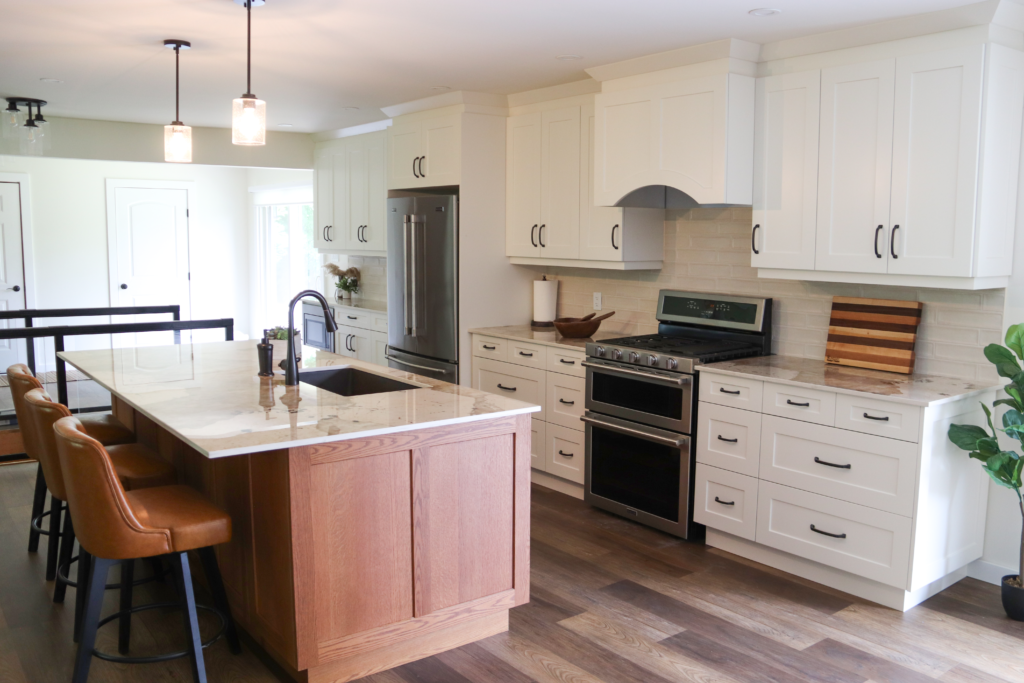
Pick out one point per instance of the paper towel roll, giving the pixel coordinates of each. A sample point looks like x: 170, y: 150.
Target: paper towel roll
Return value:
x: 545, y: 302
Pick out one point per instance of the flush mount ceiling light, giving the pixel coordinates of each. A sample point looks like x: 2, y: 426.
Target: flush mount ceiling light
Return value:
x: 284, y: 125
x: 248, y: 114
x: 32, y: 131
x: 568, y: 58
x: 441, y: 87
x: 764, y: 12
x: 350, y: 108
x: 50, y: 80
x: 177, y: 136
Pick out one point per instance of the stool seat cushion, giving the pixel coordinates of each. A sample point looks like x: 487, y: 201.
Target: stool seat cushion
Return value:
x: 139, y: 467
x: 193, y: 521
x: 105, y: 428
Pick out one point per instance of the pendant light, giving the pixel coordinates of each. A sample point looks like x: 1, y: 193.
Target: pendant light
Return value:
x: 248, y: 114
x: 177, y: 136
x: 31, y: 140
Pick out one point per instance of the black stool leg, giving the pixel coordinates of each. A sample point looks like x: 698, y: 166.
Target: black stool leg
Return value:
x: 53, y: 545
x: 124, y: 626
x: 67, y: 545
x: 183, y: 578
x: 220, y: 596
x: 82, y: 592
x: 38, y: 503
x: 156, y: 567
x: 94, y: 601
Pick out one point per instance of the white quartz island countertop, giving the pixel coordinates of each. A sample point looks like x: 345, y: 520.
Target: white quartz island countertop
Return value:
x: 914, y: 389
x: 210, y: 396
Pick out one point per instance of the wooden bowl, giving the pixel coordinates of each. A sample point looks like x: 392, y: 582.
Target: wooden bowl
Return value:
x: 579, y: 328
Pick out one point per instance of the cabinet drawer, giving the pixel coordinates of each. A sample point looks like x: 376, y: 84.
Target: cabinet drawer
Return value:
x: 524, y: 353
x: 866, y: 542
x: 379, y: 322
x: 869, y: 415
x: 351, y: 317
x: 538, y: 443
x: 566, y: 362
x: 728, y: 438
x: 860, y: 468
x: 490, y: 347
x: 514, y: 381
x: 738, y: 392
x: 799, y: 403
x: 725, y: 501
x: 566, y: 454
x: 565, y: 400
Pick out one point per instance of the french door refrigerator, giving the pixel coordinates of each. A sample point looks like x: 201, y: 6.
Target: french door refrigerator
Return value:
x: 423, y: 263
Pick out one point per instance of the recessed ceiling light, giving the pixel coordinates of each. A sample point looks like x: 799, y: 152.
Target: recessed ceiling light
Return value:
x: 441, y: 87
x: 51, y: 80
x: 568, y: 58
x: 284, y: 125
x: 350, y: 108
x: 764, y: 12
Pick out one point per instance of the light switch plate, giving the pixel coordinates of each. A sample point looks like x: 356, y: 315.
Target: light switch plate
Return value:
x: 597, y: 301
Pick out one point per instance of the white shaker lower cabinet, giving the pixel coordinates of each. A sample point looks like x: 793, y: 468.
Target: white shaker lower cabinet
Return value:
x: 553, y: 377
x: 361, y: 334
x: 853, y: 490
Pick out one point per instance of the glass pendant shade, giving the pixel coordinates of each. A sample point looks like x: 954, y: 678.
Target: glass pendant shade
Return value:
x: 248, y: 121
x: 10, y: 121
x: 31, y: 142
x: 178, y: 143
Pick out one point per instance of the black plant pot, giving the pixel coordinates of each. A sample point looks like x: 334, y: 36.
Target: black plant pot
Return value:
x: 1013, y: 599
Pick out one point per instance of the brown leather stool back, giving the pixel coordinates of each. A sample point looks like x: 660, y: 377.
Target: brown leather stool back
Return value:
x: 22, y: 381
x: 40, y: 442
x: 105, y: 524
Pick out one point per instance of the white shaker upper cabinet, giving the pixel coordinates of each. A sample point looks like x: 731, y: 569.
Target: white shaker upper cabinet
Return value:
x: 424, y: 151
x: 324, y: 195
x: 786, y: 171
x: 522, y: 184
x: 695, y: 135
x: 559, y: 230
x: 935, y: 162
x: 854, y: 168
x: 366, y: 228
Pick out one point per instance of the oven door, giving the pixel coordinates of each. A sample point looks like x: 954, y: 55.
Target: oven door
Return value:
x: 656, y: 398
x: 639, y: 472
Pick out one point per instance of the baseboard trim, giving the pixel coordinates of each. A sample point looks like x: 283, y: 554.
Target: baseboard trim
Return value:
x: 989, y: 572
x: 569, y: 488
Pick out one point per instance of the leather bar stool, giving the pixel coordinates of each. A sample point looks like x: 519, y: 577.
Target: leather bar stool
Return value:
x: 115, y: 525
x: 136, y: 467
x: 103, y: 427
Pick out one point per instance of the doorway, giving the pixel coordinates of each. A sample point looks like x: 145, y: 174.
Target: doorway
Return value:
x: 12, y: 270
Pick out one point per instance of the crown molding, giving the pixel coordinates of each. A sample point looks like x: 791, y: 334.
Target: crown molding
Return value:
x: 481, y: 102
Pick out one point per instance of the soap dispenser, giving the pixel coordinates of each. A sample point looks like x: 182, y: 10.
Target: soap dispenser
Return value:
x: 265, y: 350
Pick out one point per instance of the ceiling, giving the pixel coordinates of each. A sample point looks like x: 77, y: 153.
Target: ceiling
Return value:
x: 312, y: 58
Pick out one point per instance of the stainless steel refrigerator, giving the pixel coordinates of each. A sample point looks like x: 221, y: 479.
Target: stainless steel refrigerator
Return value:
x: 423, y: 286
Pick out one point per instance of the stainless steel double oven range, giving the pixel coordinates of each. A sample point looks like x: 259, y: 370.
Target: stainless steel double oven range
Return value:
x: 641, y: 404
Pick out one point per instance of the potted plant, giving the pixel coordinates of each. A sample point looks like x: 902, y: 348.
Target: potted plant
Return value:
x: 1004, y: 467
x: 280, y: 333
x: 347, y: 282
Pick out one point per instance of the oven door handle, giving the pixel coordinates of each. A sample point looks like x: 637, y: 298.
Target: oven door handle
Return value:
x: 681, y: 381
x: 675, y: 443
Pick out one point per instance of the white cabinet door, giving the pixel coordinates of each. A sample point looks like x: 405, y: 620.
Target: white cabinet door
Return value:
x: 403, y: 153
x: 936, y: 140
x: 376, y: 230
x: 538, y: 444
x: 726, y: 501
x: 600, y: 226
x: 565, y: 400
x: 351, y: 236
x: 522, y: 185
x: 624, y: 138
x: 336, y: 233
x: 324, y: 197
x: 362, y: 342
x: 559, y: 231
x: 379, y: 343
x: 566, y: 453
x: 854, y: 167
x: 786, y: 171
x: 441, y: 152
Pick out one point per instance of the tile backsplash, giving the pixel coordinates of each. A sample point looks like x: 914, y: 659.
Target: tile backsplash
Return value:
x: 373, y: 275
x: 708, y: 250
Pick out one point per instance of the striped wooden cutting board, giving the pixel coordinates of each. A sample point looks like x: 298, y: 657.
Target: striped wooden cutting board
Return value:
x: 873, y: 333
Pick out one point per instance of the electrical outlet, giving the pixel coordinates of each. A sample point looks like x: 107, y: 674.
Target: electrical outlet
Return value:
x: 597, y: 301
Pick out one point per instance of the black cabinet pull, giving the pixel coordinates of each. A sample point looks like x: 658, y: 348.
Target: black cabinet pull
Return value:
x: 540, y: 235
x: 533, y: 231
x: 892, y: 242
x: 798, y: 405
x: 324, y: 233
x: 572, y: 362
x: 614, y: 228
x: 825, y: 533
x: 753, y: 235
x: 414, y: 167
x: 124, y: 286
x: 734, y: 393
x: 422, y: 174
x: 564, y: 454
x: 832, y: 464
x: 329, y: 238
x: 724, y: 502
x: 352, y: 317
x: 877, y: 253
x: 568, y: 403
x: 524, y: 353
x: 880, y: 419
x: 490, y: 348
x: 722, y: 438
x: 503, y: 388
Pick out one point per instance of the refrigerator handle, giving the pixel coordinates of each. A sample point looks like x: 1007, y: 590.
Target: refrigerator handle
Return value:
x: 415, y: 272
x: 405, y: 271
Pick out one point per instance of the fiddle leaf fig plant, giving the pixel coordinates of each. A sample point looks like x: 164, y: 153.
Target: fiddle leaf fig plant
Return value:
x: 1004, y: 467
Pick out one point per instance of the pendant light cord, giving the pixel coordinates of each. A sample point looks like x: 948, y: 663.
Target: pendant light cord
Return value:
x: 177, y: 96
x: 248, y: 47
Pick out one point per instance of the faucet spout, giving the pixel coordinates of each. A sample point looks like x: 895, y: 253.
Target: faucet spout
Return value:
x: 291, y: 363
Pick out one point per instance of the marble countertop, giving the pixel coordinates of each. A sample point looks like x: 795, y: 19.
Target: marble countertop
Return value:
x: 914, y: 389
x: 364, y: 304
x: 546, y: 337
x: 210, y: 396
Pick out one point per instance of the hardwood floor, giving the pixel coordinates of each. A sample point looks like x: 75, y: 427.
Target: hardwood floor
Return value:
x: 612, y: 602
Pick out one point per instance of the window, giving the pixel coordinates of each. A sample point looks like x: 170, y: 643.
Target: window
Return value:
x: 287, y: 258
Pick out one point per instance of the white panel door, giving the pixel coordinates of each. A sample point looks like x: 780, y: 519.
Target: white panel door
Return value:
x: 403, y: 151
x: 375, y: 232
x: 522, y: 185
x: 337, y: 232
x: 12, y: 275
x: 324, y: 204
x: 690, y: 118
x: 855, y: 167
x: 624, y: 137
x: 151, y: 264
x: 350, y: 237
x: 559, y: 231
x: 441, y: 150
x: 936, y: 140
x: 600, y: 226
x: 786, y: 171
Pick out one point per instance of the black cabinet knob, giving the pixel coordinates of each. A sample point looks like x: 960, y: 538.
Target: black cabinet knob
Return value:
x: 124, y: 286
x: 15, y: 288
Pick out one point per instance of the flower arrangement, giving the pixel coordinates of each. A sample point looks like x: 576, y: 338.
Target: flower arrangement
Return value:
x: 347, y: 282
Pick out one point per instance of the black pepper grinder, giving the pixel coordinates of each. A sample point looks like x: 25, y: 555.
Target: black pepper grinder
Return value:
x: 265, y: 351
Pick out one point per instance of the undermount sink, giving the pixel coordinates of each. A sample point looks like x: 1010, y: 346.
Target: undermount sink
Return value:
x: 351, y: 382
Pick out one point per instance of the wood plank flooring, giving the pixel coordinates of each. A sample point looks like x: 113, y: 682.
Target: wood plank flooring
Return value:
x: 612, y: 602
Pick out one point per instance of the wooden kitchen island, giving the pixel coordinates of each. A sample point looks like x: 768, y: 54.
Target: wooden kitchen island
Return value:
x: 369, y: 531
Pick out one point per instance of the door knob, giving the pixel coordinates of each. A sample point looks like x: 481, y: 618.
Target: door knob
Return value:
x: 15, y: 288
x: 124, y: 286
